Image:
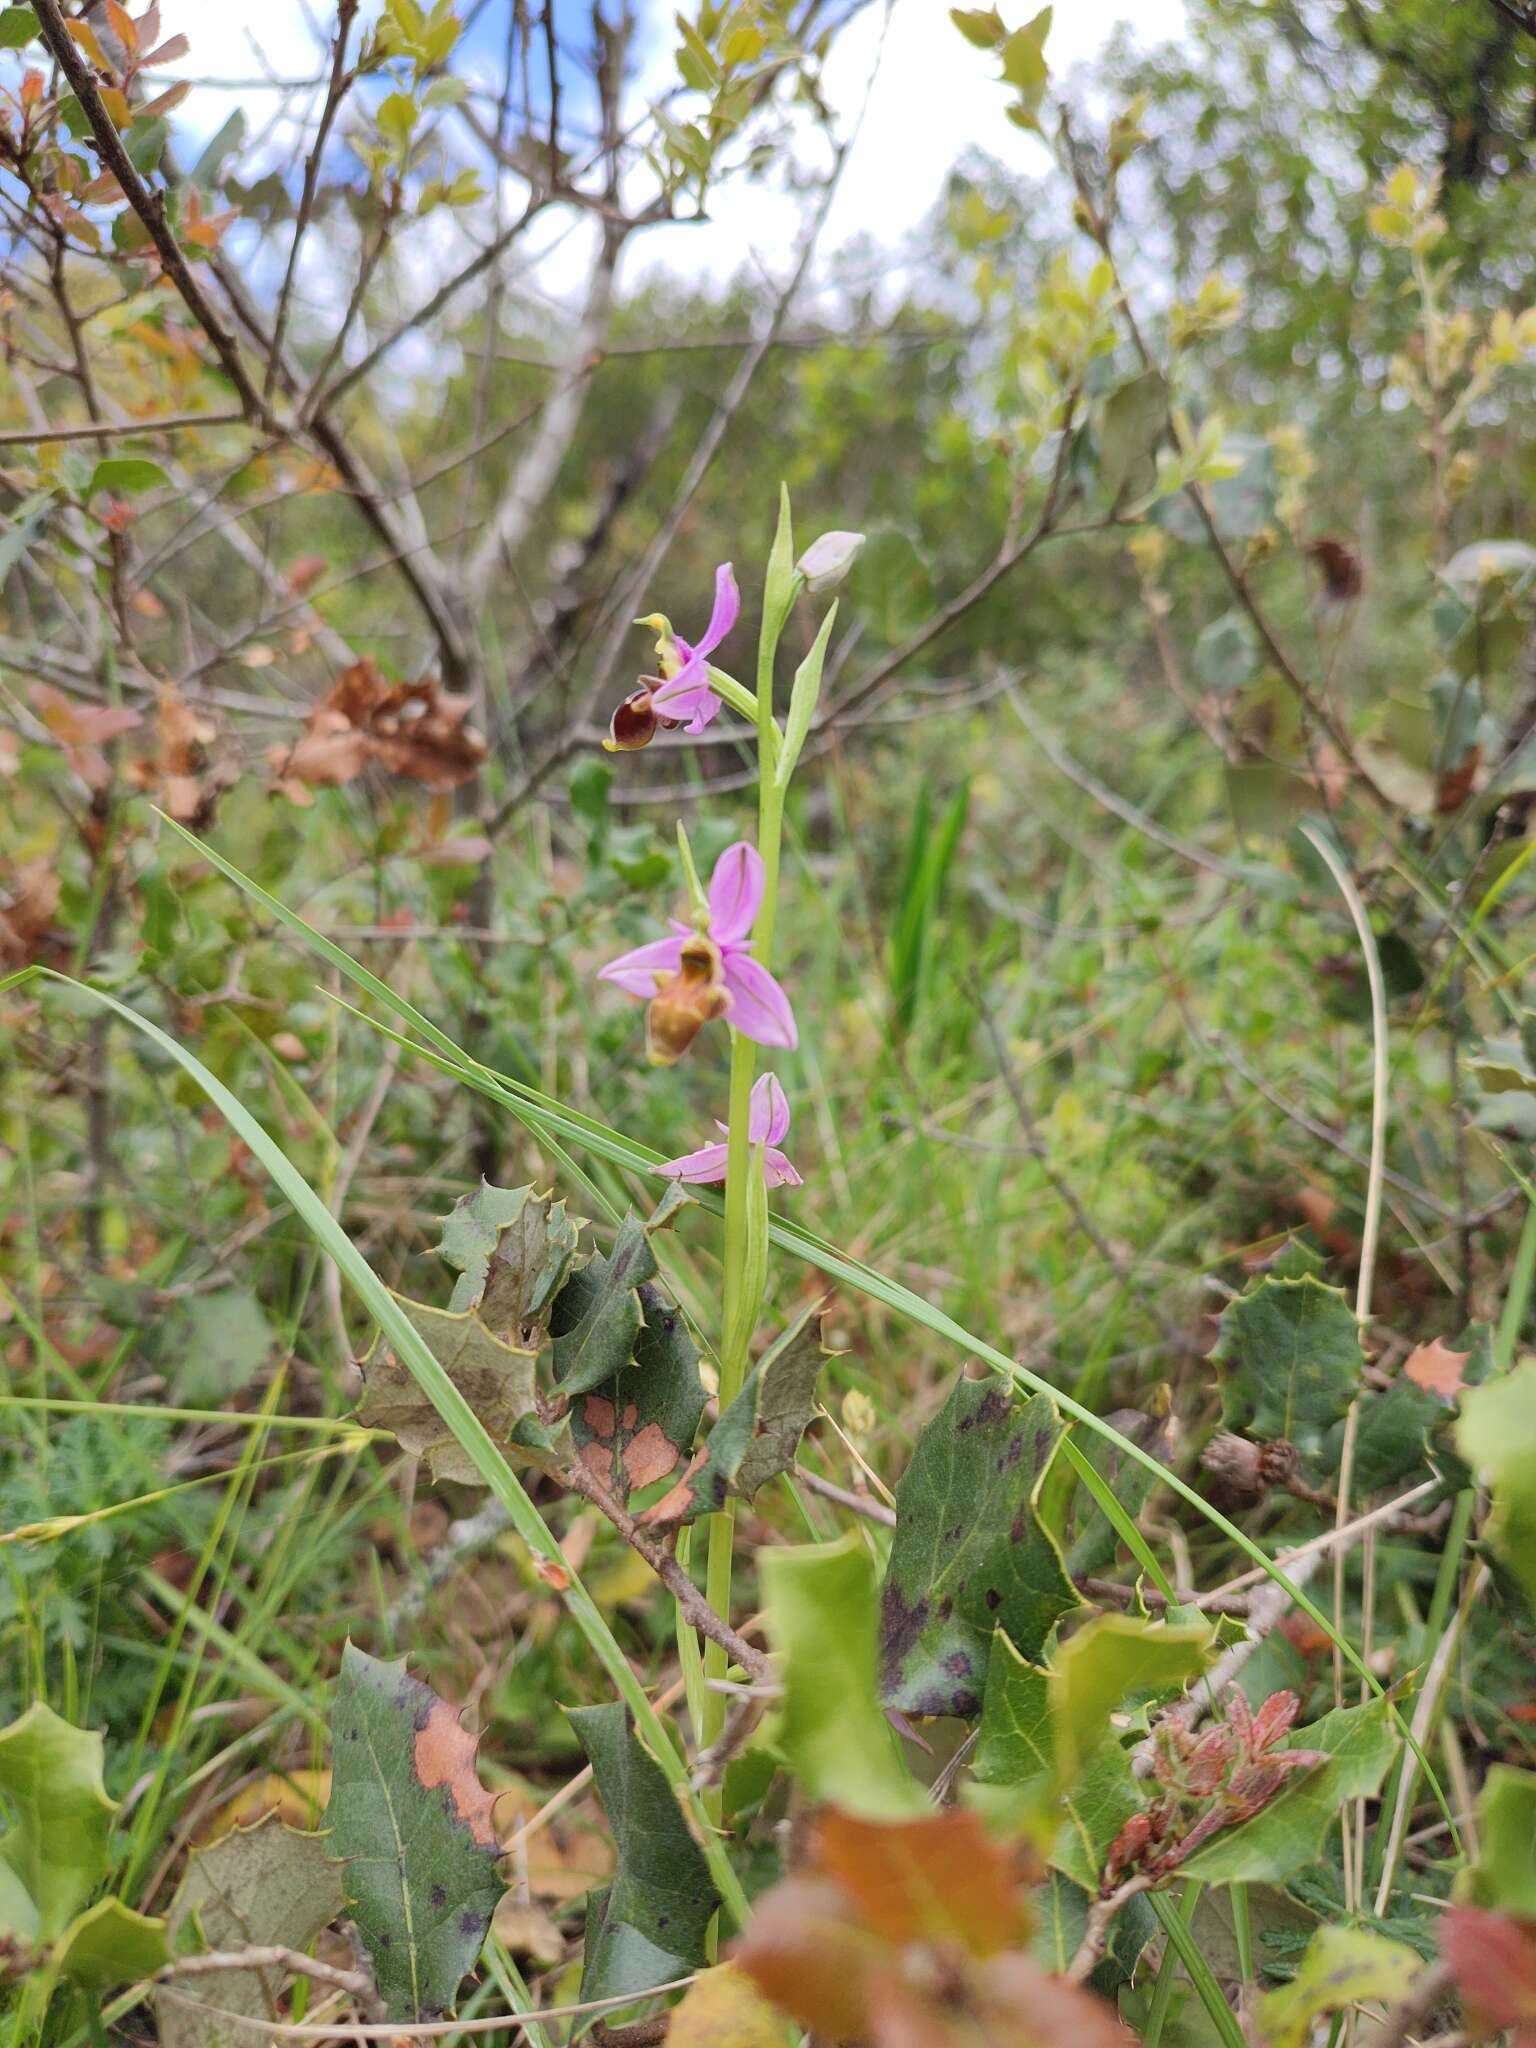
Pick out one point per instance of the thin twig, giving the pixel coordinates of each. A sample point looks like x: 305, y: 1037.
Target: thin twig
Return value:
x: 270, y: 1956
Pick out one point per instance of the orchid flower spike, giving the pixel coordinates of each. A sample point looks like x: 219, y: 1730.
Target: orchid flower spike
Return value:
x: 707, y: 971
x: 768, y: 1122
x: 681, y: 694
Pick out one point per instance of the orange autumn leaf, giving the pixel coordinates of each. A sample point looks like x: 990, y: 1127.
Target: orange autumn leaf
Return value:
x: 1436, y: 1368
x: 28, y: 900
x: 83, y: 729
x: 189, y: 772
x: 938, y: 1879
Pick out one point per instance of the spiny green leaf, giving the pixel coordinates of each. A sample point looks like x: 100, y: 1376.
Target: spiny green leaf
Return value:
x: 1105, y: 1663
x: 513, y: 1249
x: 53, y: 1853
x: 267, y: 1884
x: 970, y: 1555
x: 1290, y: 1357
x: 637, y: 1428
x: 820, y: 1603
x: 597, y: 1317
x: 1289, y: 1833
x: 411, y: 1824
x: 651, y: 1923
x: 110, y: 1944
x: 496, y: 1379
x: 758, y: 1435
x: 1342, y: 1966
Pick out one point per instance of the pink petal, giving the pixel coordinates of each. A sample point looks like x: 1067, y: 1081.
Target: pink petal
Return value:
x: 688, y: 697
x: 759, y: 1007
x: 636, y: 972
x: 777, y: 1171
x: 735, y: 893
x: 708, y: 1163
x: 769, y: 1118
x: 726, y: 612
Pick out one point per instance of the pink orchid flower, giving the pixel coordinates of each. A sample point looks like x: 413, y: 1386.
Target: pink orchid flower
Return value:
x: 767, y: 1124
x: 696, y: 975
x: 683, y: 697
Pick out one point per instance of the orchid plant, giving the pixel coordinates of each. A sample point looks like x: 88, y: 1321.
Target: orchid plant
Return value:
x: 715, y: 965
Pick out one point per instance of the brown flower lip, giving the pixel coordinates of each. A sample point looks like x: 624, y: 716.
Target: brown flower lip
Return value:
x: 685, y: 1003
x: 636, y: 722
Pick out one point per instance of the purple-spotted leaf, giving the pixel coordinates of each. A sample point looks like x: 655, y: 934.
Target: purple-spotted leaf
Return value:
x: 411, y: 1823
x: 970, y: 1555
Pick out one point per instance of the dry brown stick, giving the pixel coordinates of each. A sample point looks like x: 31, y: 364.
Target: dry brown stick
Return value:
x: 271, y: 1956
x: 695, y: 1609
x: 25, y: 437
x: 856, y: 1503
x: 1096, y: 1932
x: 336, y: 92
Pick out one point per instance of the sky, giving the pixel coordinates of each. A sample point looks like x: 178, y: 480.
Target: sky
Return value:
x: 933, y: 99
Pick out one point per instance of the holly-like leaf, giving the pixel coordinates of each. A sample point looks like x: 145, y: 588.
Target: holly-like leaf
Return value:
x: 496, y: 1379
x: 1061, y: 1921
x: 724, y: 2009
x: 820, y: 1603
x: 513, y: 1250
x: 758, y: 1435
x: 411, y: 1823
x: 109, y: 1944
x: 1290, y: 1356
x: 634, y: 1430
x: 264, y: 1885
x: 1288, y: 1834
x: 1497, y: 1436
x: 1504, y: 1875
x: 53, y: 1853
x: 1342, y: 1966
x: 651, y: 1923
x: 970, y: 1555
x: 1017, y: 1759
x: 1105, y: 1663
x: 597, y: 1316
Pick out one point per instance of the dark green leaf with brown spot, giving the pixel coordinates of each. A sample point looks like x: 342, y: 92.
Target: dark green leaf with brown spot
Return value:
x: 970, y: 1554
x: 649, y: 1925
x: 411, y: 1823
x: 637, y: 1428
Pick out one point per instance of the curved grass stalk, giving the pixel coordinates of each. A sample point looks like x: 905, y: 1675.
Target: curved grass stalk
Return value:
x: 469, y: 1431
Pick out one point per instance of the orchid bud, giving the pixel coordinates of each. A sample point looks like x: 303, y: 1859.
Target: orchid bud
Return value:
x: 827, y: 561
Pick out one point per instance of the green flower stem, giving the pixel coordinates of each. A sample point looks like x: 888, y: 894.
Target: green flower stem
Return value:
x: 743, y: 1277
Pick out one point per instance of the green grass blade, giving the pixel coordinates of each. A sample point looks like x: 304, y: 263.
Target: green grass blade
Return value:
x: 469, y: 1432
